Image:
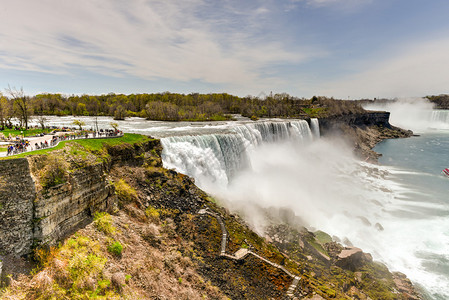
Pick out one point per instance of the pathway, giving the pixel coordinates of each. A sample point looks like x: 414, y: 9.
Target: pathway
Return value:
x: 244, y: 252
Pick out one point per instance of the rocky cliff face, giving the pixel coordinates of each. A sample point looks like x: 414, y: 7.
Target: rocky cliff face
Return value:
x: 17, y: 195
x: 371, y: 118
x: 60, y: 210
x: 32, y: 213
x: 363, y: 131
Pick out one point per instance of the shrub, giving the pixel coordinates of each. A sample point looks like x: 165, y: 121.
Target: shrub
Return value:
x: 103, y: 222
x: 124, y: 191
x: 115, y: 248
x: 44, y: 255
x: 152, y: 213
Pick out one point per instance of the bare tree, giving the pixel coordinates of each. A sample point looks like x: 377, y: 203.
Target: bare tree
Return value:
x: 96, y: 123
x: 22, y: 104
x: 42, y: 120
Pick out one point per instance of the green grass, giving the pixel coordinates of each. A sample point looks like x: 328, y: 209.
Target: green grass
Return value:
x: 103, y: 222
x: 98, y: 144
x: 29, y: 132
x: 315, y: 112
x: 115, y: 248
x: 322, y: 237
x: 88, y: 144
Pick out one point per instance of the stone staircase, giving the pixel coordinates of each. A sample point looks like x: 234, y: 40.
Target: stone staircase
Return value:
x: 242, y: 253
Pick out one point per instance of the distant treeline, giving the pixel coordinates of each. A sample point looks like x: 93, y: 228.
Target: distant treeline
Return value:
x: 169, y: 106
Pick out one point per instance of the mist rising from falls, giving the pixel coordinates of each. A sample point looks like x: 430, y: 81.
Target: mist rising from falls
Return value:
x: 281, y: 164
x: 416, y: 114
x: 216, y: 158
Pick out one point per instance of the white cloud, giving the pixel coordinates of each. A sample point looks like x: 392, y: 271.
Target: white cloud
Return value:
x: 347, y: 6
x: 148, y: 39
x: 420, y: 69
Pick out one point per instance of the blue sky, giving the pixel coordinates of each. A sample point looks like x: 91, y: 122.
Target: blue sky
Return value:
x: 341, y: 48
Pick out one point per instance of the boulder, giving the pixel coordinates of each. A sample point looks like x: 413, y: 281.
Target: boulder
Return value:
x: 352, y: 258
x: 118, y: 280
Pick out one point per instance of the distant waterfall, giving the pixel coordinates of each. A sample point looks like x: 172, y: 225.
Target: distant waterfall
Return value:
x: 217, y: 157
x: 440, y: 116
x: 315, y: 126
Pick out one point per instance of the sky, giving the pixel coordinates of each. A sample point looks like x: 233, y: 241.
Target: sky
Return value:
x: 347, y: 49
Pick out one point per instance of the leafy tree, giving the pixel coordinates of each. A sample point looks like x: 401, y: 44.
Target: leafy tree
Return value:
x: 119, y: 113
x: 114, y: 125
x: 6, y: 111
x: 79, y: 123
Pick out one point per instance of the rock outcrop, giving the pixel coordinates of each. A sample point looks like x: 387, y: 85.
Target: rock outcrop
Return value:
x: 62, y: 209
x: 17, y: 195
x: 363, y: 131
x: 352, y: 258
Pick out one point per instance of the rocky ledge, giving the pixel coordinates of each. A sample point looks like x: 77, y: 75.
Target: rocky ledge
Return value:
x: 363, y: 131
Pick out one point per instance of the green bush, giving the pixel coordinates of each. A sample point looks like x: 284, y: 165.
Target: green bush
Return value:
x: 103, y: 222
x: 152, y: 213
x: 124, y: 191
x: 115, y: 248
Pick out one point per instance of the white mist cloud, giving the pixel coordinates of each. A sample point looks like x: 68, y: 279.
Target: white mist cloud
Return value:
x: 417, y: 70
x: 415, y: 114
x: 312, y: 180
x: 176, y: 40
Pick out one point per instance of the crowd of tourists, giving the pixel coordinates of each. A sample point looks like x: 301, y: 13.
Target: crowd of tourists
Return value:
x: 18, y: 147
x: 24, y: 145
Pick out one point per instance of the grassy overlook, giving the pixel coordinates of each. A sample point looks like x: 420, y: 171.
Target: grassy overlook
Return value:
x: 153, y: 243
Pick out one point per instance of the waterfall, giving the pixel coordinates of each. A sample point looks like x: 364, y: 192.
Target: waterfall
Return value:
x: 440, y: 117
x: 216, y: 158
x: 315, y: 126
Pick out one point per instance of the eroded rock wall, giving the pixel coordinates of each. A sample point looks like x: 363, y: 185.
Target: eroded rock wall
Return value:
x: 17, y: 194
x: 30, y: 215
x: 363, y: 131
x: 333, y: 124
x: 62, y: 209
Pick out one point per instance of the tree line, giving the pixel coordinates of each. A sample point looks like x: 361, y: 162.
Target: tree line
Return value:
x: 14, y: 104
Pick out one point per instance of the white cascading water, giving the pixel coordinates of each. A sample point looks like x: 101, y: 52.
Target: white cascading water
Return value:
x: 216, y: 158
x: 315, y: 127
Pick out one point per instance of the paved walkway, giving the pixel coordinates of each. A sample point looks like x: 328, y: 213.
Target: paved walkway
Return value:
x: 244, y: 252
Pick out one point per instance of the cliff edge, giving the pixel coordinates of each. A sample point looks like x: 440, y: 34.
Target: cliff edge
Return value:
x: 363, y: 130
